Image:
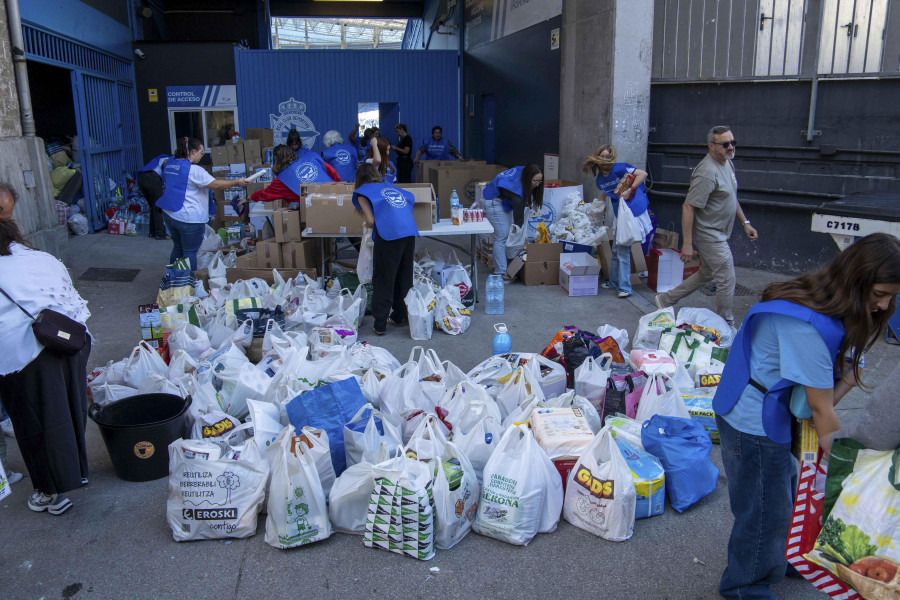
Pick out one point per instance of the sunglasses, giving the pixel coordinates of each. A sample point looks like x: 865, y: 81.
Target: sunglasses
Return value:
x: 731, y: 144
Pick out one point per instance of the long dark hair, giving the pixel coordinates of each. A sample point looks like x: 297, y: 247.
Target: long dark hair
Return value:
x: 186, y: 145
x: 9, y: 233
x: 532, y: 196
x: 282, y: 156
x: 367, y: 173
x: 843, y: 289
x: 294, y: 138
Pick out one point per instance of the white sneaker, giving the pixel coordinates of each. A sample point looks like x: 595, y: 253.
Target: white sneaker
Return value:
x: 13, y: 477
x: 55, y: 504
x: 7, y: 428
x: 624, y: 294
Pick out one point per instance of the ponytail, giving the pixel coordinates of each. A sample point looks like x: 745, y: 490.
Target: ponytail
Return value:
x: 186, y: 145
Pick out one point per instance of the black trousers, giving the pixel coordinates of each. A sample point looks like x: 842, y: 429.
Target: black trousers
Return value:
x: 150, y: 185
x: 404, y: 171
x: 47, y: 404
x: 392, y: 277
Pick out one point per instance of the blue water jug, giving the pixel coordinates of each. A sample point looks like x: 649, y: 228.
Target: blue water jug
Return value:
x: 502, y: 342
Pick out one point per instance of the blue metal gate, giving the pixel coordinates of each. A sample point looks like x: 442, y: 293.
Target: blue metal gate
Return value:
x: 105, y: 114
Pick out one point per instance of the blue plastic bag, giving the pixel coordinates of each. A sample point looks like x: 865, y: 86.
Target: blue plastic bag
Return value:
x: 683, y: 447
x: 329, y: 407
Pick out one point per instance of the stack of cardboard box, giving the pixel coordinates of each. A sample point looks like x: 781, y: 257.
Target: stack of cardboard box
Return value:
x: 464, y: 177
x: 233, y: 160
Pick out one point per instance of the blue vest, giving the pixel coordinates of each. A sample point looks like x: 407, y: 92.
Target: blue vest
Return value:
x: 361, y: 148
x: 437, y: 150
x: 638, y: 203
x: 776, y: 412
x: 342, y: 159
x: 175, y: 180
x: 389, y: 177
x: 156, y: 164
x: 510, y: 180
x: 392, y: 208
x: 308, y: 168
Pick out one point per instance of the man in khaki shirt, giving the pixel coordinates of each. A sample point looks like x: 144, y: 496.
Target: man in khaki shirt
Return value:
x: 707, y: 218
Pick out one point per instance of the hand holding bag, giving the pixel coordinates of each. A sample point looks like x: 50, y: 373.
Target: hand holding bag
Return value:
x: 55, y: 331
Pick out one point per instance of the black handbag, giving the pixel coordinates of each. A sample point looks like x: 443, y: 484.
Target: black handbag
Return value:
x: 55, y: 331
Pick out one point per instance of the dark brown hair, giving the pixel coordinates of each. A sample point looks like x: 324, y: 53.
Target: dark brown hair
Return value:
x: 9, y: 233
x: 384, y: 147
x: 533, y: 196
x: 843, y: 288
x: 367, y: 173
x: 282, y: 156
x: 293, y: 137
x: 186, y: 145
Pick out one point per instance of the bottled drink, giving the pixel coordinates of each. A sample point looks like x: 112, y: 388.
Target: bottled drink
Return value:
x: 502, y: 342
x: 455, y: 208
x: 494, y: 294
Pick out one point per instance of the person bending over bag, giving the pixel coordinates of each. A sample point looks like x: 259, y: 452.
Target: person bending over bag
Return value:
x: 808, y: 335
x: 388, y: 211
x: 505, y: 201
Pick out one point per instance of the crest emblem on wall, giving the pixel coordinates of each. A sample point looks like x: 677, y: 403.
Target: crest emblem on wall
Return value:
x: 293, y: 116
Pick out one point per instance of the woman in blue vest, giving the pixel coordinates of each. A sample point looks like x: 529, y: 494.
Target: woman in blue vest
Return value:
x: 505, y: 201
x: 185, y: 199
x: 808, y: 335
x: 149, y: 182
x: 610, y: 173
x: 388, y: 210
x: 438, y: 148
x: 342, y: 157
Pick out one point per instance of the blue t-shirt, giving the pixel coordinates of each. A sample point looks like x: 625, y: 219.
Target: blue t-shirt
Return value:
x: 782, y: 347
x: 638, y: 203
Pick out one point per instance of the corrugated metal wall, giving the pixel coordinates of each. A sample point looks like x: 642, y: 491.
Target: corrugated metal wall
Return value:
x: 331, y: 83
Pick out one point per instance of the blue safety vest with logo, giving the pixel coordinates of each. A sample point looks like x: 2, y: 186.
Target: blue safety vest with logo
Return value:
x: 343, y: 159
x: 388, y: 176
x: 510, y: 180
x: 308, y: 168
x: 175, y: 180
x: 156, y: 164
x: 776, y: 412
x: 608, y: 184
x: 437, y: 150
x: 392, y: 208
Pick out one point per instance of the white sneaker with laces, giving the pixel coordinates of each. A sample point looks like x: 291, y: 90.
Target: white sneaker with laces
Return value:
x: 55, y: 504
x: 624, y: 294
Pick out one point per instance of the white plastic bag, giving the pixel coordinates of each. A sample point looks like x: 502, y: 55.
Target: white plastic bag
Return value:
x: 450, y: 316
x: 573, y: 400
x: 365, y: 263
x: 628, y: 230
x: 600, y: 494
x: 650, y: 328
x: 591, y: 377
x: 214, y: 499
x: 661, y: 397
x: 349, y: 501
x: 143, y: 360
x: 370, y: 437
x: 458, y: 277
x: 189, y: 338
x: 522, y: 493
x: 297, y: 514
x: 266, y: 424
x: 420, y: 312
x: 318, y: 446
x: 180, y: 365
x: 454, y: 509
x: 515, y: 242
x: 479, y: 442
x: 517, y: 390
x: 619, y: 335
x: 428, y: 440
x: 705, y: 320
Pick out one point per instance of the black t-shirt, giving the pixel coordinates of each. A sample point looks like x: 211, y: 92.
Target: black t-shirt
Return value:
x: 405, y: 142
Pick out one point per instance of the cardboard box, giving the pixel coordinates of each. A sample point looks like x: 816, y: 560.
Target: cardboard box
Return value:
x: 534, y: 272
x: 578, y: 274
x: 273, y: 204
x: 332, y: 213
x: 227, y: 154
x: 425, y: 202
x: 604, y: 254
x: 462, y: 177
x: 268, y: 254
x: 232, y: 275
x: 287, y: 225
x: 336, y: 187
x: 265, y: 177
x: 247, y: 261
x: 665, y: 271
x: 253, y: 187
x: 422, y: 167
x: 300, y: 255
x: 252, y: 151
x: 542, y: 252
x: 265, y: 136
x: 150, y: 322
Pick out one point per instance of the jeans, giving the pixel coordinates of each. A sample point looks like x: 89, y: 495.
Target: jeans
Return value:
x: 392, y: 277
x: 762, y: 478
x: 717, y: 264
x: 620, y: 268
x: 501, y: 221
x: 186, y: 239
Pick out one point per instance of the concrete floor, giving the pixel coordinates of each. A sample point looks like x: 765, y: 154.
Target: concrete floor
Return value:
x: 115, y: 541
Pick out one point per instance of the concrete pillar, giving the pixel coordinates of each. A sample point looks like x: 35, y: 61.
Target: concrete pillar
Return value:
x: 605, y: 88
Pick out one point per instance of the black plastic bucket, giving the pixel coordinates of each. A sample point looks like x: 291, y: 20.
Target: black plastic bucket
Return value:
x: 138, y: 430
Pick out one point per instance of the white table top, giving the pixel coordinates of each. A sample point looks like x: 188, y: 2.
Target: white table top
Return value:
x: 444, y: 228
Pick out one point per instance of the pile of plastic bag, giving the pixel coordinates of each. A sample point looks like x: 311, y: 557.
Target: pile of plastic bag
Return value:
x: 581, y: 222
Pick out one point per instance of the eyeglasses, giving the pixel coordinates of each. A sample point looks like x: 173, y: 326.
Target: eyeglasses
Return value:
x: 731, y: 144
x: 537, y: 181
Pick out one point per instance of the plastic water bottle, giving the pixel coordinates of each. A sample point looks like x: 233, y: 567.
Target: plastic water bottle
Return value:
x: 494, y: 295
x: 502, y: 342
x: 455, y: 209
